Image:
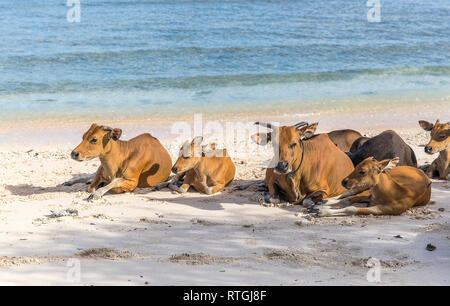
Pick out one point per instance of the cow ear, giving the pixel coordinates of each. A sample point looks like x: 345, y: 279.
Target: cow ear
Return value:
x: 308, y: 130
x: 116, y: 133
x: 209, y: 147
x: 427, y: 126
x: 311, y: 129
x: 197, y: 140
x: 262, y: 138
x: 388, y: 164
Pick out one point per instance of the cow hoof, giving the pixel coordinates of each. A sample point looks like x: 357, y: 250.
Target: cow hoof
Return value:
x: 93, y: 196
x: 308, y: 203
x: 323, y: 212
x: 274, y: 201
x: 208, y: 190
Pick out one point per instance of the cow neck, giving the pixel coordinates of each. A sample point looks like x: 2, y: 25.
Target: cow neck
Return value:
x: 293, y: 173
x: 113, y: 159
x: 387, y: 182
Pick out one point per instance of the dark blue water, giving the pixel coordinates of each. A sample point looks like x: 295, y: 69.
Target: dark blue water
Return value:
x: 174, y: 56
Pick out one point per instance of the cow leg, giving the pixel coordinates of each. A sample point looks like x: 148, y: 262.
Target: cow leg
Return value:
x: 352, y: 210
x: 274, y: 194
x: 180, y: 189
x: 245, y: 186
x: 216, y: 188
x: 314, y: 198
x: 120, y: 184
x: 188, y: 180
x: 97, y: 180
x: 80, y: 179
x: 175, y: 179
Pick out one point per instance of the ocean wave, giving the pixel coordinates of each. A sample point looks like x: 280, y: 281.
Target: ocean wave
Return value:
x: 208, y: 81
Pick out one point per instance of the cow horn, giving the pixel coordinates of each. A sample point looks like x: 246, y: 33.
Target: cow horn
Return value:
x: 300, y: 124
x: 267, y: 125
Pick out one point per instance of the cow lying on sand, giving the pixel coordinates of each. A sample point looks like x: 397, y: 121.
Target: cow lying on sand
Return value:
x: 439, y: 142
x: 386, y: 145
x: 389, y: 190
x: 208, y: 171
x: 125, y: 165
x: 307, y: 171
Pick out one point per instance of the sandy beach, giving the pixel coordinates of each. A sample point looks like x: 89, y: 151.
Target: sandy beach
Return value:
x: 161, y: 238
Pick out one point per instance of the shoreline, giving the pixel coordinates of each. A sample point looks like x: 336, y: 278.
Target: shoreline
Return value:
x: 70, y: 130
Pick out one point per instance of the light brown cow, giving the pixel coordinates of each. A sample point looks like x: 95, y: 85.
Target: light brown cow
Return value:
x: 125, y: 165
x: 389, y: 190
x: 306, y: 171
x: 208, y: 171
x: 439, y: 142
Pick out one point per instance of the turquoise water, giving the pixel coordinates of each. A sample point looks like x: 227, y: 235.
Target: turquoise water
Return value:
x: 156, y: 57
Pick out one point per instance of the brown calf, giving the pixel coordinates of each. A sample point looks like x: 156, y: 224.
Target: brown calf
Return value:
x: 307, y: 171
x: 439, y: 142
x: 207, y: 171
x: 125, y: 165
x: 389, y: 190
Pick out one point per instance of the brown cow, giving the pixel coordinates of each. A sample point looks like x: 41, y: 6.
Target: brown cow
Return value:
x: 125, y: 165
x: 439, y: 142
x: 207, y: 171
x: 307, y: 171
x: 388, y: 189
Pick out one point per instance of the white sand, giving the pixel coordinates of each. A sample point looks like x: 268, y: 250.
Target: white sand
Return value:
x: 240, y: 241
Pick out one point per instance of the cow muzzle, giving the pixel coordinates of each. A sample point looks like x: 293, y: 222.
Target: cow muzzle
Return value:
x: 75, y: 155
x: 344, y: 183
x: 428, y: 150
x: 282, y: 167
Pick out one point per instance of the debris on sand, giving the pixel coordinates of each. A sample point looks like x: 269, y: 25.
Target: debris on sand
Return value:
x: 303, y: 222
x: 199, y: 259
x: 430, y: 247
x: 152, y: 221
x: 205, y: 222
x: 391, y: 264
x: 8, y: 261
x: 107, y: 253
x: 69, y: 212
x: 295, y: 256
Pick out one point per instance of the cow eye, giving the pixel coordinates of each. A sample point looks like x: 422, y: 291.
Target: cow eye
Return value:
x: 362, y: 172
x: 94, y: 140
x: 292, y: 145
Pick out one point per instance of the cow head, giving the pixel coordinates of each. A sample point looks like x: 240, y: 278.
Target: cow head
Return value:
x: 440, y: 136
x: 287, y: 138
x: 265, y: 138
x: 96, y: 142
x: 366, y: 173
x: 191, y: 153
